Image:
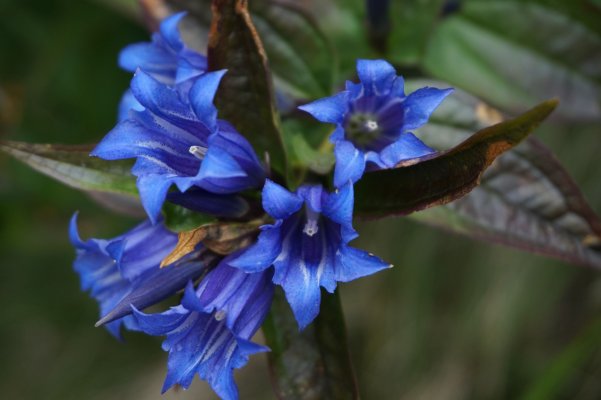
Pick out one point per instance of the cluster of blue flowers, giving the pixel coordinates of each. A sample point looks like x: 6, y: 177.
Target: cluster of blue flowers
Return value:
x: 183, y: 151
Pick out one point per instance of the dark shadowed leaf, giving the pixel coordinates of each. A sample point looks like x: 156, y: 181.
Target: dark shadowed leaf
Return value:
x: 110, y: 183
x: 516, y: 53
x: 162, y: 283
x: 245, y: 96
x: 443, y: 177
x: 313, y: 364
x: 300, y: 56
x: 181, y: 219
x: 526, y: 199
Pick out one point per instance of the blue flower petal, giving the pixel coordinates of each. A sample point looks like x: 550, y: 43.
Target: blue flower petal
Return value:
x: 153, y: 191
x: 109, y: 269
x: 278, y: 201
x: 375, y: 75
x: 202, y: 95
x: 170, y: 32
x: 160, y: 99
x: 241, y: 298
x: 128, y: 102
x: 263, y: 253
x: 350, y: 163
x: 406, y: 148
x: 201, y: 342
x: 153, y: 59
x: 352, y: 263
x: 301, y: 287
x: 329, y: 109
x: 420, y: 104
x: 225, y: 206
x: 339, y: 205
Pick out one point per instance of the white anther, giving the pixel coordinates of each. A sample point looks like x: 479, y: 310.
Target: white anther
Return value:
x: 371, y: 125
x: 311, y: 227
x: 198, y: 151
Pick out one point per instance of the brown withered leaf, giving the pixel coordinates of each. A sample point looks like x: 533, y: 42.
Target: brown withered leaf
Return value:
x: 186, y: 243
x: 443, y: 177
x: 222, y: 238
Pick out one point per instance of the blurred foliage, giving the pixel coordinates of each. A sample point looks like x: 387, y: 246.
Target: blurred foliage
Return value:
x: 454, y: 319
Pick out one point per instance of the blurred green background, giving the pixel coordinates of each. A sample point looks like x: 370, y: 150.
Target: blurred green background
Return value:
x: 454, y: 319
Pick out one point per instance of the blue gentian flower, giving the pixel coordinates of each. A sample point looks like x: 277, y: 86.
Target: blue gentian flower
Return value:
x: 308, y: 245
x: 166, y: 58
x: 373, y: 120
x: 177, y: 139
x: 209, y: 332
x: 108, y: 269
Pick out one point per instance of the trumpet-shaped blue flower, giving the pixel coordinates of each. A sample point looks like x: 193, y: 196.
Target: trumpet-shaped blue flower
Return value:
x: 209, y: 332
x: 108, y: 269
x: 308, y: 245
x: 178, y: 140
x: 373, y: 119
x: 166, y: 58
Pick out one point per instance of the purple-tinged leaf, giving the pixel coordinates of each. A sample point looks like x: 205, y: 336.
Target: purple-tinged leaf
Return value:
x: 162, y: 283
x: 442, y: 177
x: 526, y: 199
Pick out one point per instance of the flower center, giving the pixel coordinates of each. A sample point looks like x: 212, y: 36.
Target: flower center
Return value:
x: 362, y: 128
x: 198, y: 151
x: 312, y: 225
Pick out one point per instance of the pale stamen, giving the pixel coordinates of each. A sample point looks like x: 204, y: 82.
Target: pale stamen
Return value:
x: 220, y: 315
x: 371, y: 125
x: 198, y: 151
x: 311, y: 226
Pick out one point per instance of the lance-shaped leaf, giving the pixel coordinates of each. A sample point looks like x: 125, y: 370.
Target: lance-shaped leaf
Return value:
x: 245, y: 96
x: 108, y: 182
x: 220, y: 237
x: 525, y: 200
x: 443, y: 177
x: 312, y: 364
x: 162, y: 283
x: 73, y: 166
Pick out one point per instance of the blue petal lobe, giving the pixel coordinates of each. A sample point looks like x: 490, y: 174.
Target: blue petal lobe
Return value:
x: 329, y: 109
x: 202, y: 95
x: 420, y: 104
x: 375, y: 75
x: 261, y: 255
x: 352, y: 263
x: 278, y: 201
x: 153, y: 191
x: 406, y: 148
x: 350, y: 163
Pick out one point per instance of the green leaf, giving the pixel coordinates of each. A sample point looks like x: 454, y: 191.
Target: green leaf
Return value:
x: 245, y: 96
x: 73, y: 166
x: 411, y: 24
x: 109, y: 183
x: 180, y: 219
x: 313, y: 364
x: 440, y: 178
x: 516, y: 53
x: 300, y: 55
x: 525, y: 200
